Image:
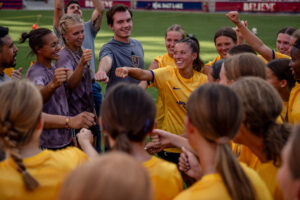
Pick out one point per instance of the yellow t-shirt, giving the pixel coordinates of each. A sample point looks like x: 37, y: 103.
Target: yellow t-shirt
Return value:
x: 245, y: 155
x: 175, y: 92
x: 8, y: 71
x: 163, y: 61
x: 213, y: 61
x: 283, y: 114
x: 267, y: 171
x: 49, y: 168
x: 275, y: 55
x: 212, y: 187
x: 166, y: 179
x: 294, y: 105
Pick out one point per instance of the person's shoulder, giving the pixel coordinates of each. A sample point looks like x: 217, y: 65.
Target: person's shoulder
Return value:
x: 163, y: 165
x: 71, y: 153
x: 135, y: 42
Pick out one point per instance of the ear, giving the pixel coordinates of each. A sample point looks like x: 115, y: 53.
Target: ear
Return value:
x: 283, y: 83
x: 194, y: 56
x: 111, y: 27
x: 40, y: 124
x: 190, y: 129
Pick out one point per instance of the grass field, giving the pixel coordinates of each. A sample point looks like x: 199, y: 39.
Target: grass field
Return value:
x: 149, y: 28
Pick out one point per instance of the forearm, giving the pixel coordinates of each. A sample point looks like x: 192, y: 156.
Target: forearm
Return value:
x: 75, y: 78
x: 47, y: 91
x: 53, y: 121
x: 179, y: 141
x: 256, y: 43
x: 89, y: 150
x: 140, y: 74
x: 98, y: 4
x: 105, y: 64
x: 58, y: 12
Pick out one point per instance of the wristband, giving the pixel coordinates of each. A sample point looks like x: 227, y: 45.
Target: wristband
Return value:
x: 67, y: 122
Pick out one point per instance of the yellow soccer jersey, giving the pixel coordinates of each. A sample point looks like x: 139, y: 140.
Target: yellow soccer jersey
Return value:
x: 277, y: 55
x: 268, y: 172
x: 8, y: 71
x: 212, y: 187
x: 213, y: 61
x: 163, y: 61
x: 294, y: 105
x: 166, y: 179
x: 49, y: 168
x: 245, y: 155
x: 175, y: 92
x: 283, y: 114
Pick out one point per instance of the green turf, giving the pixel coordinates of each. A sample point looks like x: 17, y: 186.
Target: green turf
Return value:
x: 149, y: 28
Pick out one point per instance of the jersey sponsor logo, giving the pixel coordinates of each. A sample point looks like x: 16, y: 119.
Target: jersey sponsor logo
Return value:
x: 135, y: 61
x: 175, y: 88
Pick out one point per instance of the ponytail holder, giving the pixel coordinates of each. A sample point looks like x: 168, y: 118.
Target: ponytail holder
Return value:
x: 190, y: 35
x: 146, y: 127
x: 222, y: 140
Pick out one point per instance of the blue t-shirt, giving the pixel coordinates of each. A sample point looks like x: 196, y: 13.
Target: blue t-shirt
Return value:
x: 123, y: 54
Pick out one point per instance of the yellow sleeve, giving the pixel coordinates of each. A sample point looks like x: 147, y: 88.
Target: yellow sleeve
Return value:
x: 8, y: 71
x: 280, y: 55
x: 160, y: 76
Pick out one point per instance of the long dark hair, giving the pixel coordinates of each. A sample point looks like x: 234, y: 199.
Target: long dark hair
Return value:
x: 195, y: 46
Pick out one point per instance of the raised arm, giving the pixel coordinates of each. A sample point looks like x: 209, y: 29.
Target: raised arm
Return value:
x: 97, y: 15
x: 251, y: 39
x: 58, y: 12
x: 75, y: 77
x: 137, y: 73
x: 103, y: 68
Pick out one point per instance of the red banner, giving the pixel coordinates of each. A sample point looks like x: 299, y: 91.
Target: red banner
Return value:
x: 258, y: 6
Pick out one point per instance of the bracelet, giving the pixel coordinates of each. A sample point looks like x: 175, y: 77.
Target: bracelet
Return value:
x: 67, y: 122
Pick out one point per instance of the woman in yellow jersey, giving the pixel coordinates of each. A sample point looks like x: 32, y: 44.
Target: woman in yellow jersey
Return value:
x: 111, y: 176
x: 225, y: 38
x: 260, y: 132
x: 294, y: 100
x: 174, y: 34
x: 127, y: 116
x: 176, y: 85
x: 214, y: 115
x: 281, y: 78
x: 289, y: 174
x: 283, y: 36
x: 29, y: 172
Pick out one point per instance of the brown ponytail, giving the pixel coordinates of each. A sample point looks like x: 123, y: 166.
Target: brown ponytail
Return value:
x: 127, y: 114
x: 19, y: 115
x: 217, y: 114
x: 263, y: 105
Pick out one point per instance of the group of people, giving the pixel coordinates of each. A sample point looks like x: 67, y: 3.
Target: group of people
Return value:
x: 228, y: 124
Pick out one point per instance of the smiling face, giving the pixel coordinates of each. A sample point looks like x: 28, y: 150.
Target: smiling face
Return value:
x: 223, y: 44
x: 283, y: 43
x: 74, y: 8
x: 184, y: 56
x: 171, y: 38
x: 8, y: 52
x: 122, y: 26
x: 295, y: 63
x: 74, y: 36
x: 50, y: 47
